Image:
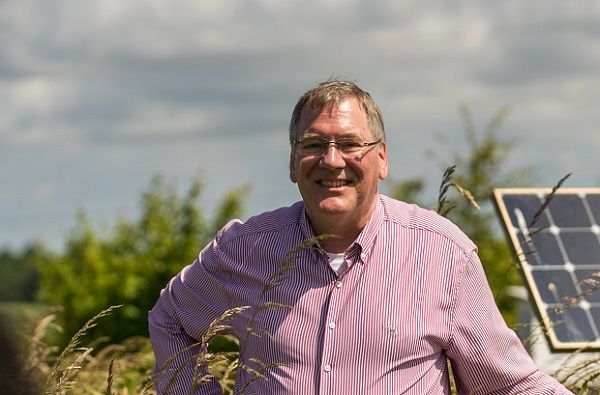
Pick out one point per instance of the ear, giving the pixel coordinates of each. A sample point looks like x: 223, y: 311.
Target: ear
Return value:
x: 383, y: 161
x: 293, y: 167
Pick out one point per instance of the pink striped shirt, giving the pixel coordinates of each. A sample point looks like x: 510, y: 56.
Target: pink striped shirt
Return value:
x: 412, y: 293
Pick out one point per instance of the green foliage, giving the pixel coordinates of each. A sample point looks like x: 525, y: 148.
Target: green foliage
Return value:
x: 22, y: 314
x: 131, y: 264
x: 407, y: 190
x: 479, y: 168
x: 18, y: 274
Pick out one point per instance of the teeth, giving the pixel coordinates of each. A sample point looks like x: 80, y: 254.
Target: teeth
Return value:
x: 333, y: 184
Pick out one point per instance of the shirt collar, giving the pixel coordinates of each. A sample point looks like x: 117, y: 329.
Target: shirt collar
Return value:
x: 365, y: 239
x: 369, y: 234
x: 305, y: 227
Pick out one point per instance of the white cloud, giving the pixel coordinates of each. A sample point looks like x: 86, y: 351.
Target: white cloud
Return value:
x: 32, y: 108
x: 157, y: 119
x: 40, y: 96
x: 107, y: 88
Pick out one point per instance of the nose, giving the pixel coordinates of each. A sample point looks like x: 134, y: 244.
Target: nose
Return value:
x: 332, y: 158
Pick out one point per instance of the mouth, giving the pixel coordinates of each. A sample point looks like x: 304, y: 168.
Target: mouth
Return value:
x: 333, y: 183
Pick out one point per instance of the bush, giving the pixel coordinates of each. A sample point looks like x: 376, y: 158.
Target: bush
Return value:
x: 131, y: 265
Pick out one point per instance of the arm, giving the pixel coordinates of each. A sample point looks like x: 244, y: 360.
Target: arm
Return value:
x: 182, y: 314
x: 486, y: 355
x: 175, y: 351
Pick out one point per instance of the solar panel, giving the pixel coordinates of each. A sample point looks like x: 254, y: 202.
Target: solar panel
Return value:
x: 558, y: 249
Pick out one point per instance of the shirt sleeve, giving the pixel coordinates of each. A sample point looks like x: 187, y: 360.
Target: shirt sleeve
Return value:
x: 487, y: 357
x: 182, y: 314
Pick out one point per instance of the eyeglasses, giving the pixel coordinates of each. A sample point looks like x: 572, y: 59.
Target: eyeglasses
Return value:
x: 344, y: 145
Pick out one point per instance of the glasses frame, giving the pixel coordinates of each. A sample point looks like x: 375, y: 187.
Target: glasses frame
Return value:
x: 327, y: 144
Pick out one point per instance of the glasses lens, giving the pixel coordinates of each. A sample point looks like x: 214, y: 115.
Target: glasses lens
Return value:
x: 317, y: 146
x: 312, y: 145
x: 349, y: 145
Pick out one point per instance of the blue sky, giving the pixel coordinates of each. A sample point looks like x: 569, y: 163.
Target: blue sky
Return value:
x: 98, y: 96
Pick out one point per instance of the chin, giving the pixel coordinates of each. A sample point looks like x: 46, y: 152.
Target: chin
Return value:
x: 333, y: 211
x: 334, y: 207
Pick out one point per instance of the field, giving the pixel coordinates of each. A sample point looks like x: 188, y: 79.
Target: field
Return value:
x: 22, y: 314
x: 98, y: 367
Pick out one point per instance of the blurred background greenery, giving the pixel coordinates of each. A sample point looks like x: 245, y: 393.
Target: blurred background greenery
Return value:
x: 129, y: 262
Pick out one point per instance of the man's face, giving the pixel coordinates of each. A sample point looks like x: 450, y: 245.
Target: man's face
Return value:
x: 332, y: 184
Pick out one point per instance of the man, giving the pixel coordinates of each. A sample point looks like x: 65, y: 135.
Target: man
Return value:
x: 376, y: 304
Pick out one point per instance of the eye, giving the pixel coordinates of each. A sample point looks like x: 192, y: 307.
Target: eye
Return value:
x: 349, y: 145
x: 312, y: 145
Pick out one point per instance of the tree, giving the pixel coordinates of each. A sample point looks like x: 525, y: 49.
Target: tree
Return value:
x: 479, y: 168
x: 131, y: 265
x: 18, y: 274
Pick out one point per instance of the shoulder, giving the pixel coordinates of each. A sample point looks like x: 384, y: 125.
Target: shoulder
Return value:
x: 414, y: 218
x: 278, y: 220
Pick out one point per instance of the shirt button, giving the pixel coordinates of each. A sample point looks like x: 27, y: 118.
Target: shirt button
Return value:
x: 331, y: 325
x: 338, y: 284
x: 327, y: 368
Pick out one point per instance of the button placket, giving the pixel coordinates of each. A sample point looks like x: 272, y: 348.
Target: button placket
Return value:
x: 328, y: 339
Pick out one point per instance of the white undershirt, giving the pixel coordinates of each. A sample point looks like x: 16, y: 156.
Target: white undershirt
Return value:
x: 336, y: 260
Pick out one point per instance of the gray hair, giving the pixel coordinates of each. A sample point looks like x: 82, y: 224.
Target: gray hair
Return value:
x: 333, y: 92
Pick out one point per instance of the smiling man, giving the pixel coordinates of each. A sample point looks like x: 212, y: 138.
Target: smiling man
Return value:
x: 337, y: 162
x: 380, y: 298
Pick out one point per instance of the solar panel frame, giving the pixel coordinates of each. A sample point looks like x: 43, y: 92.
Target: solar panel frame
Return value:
x: 521, y: 234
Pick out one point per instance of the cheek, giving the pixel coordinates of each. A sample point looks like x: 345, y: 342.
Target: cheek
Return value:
x: 299, y: 171
x: 302, y: 167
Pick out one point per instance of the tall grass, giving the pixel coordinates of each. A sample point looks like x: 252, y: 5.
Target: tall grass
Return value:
x: 99, y: 367
x: 127, y: 368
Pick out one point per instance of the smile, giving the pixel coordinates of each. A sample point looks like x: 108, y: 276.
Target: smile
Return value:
x: 334, y: 183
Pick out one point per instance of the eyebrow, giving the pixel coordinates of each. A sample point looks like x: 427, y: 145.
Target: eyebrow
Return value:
x: 315, y: 135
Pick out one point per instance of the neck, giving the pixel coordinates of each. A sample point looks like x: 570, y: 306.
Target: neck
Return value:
x: 338, y: 230
x: 337, y: 242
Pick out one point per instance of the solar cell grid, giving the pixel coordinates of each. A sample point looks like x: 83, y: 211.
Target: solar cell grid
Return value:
x: 594, y: 203
x: 571, y: 325
x: 582, y: 248
x: 567, y: 211
x: 558, y: 249
x: 595, y: 312
x: 528, y: 206
x: 589, y: 282
x: 544, y: 246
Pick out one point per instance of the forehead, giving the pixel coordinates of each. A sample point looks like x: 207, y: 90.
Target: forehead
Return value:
x: 345, y: 116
